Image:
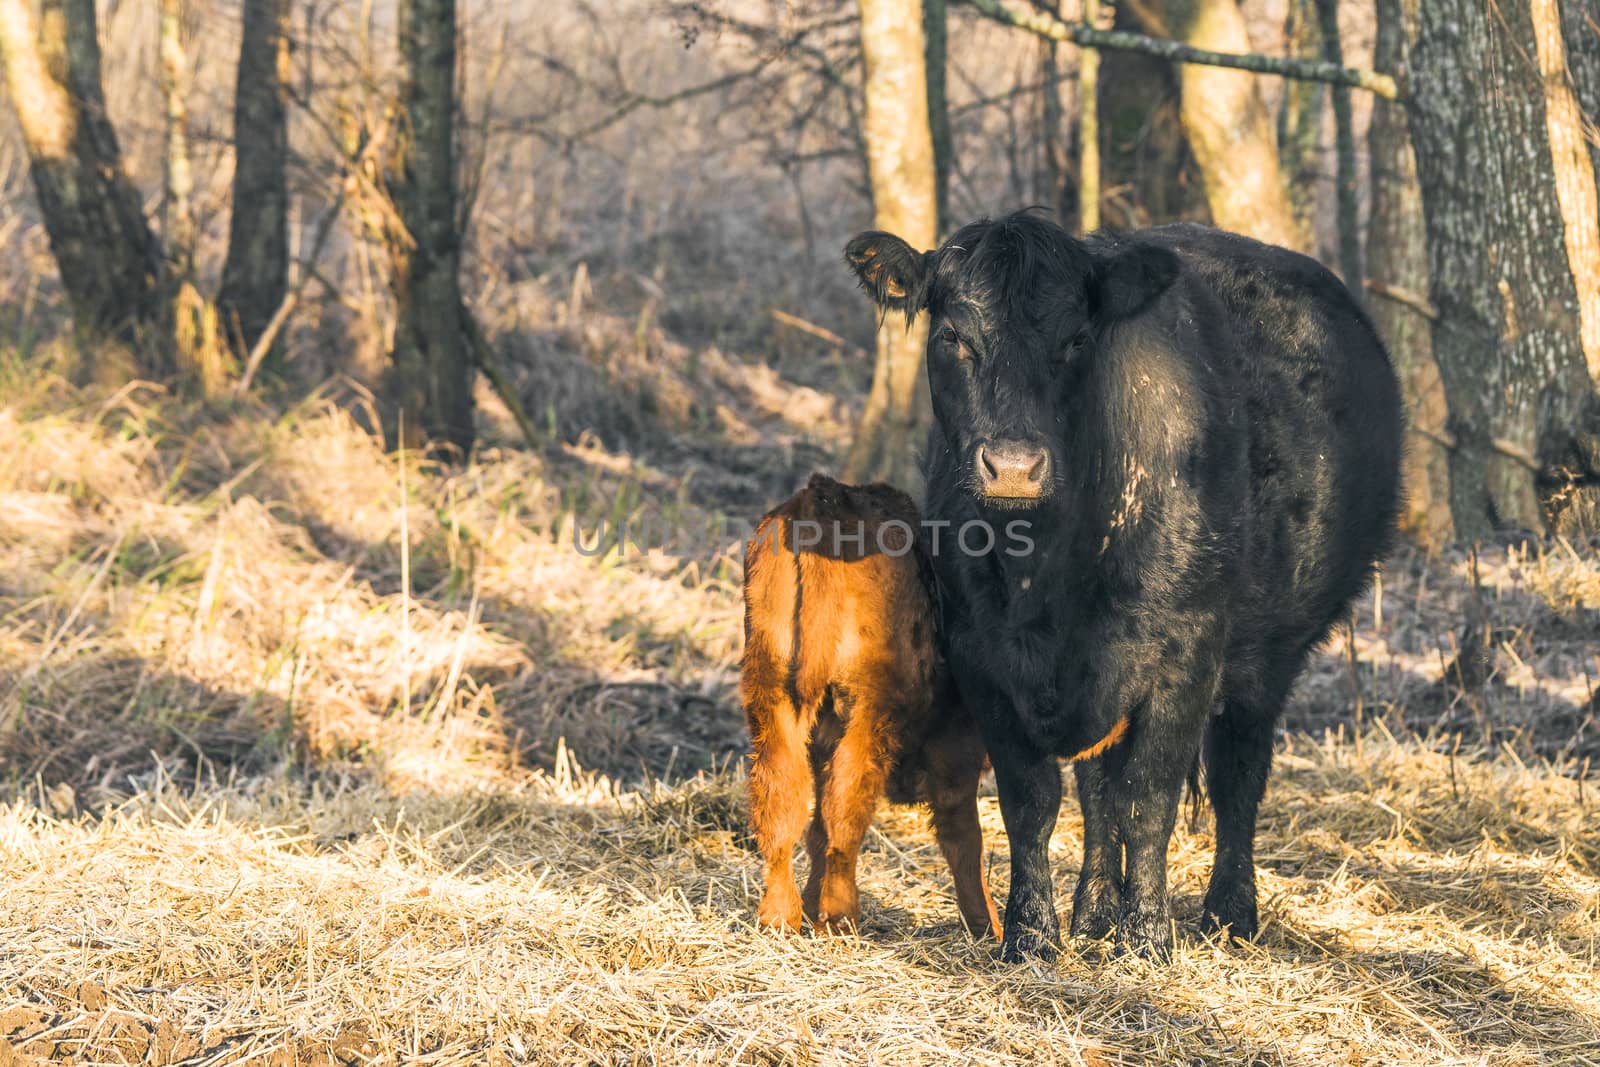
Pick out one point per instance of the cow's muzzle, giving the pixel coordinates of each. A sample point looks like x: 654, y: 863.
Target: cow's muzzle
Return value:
x: 1011, y: 470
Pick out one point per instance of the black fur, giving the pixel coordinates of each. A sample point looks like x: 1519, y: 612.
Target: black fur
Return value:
x: 1224, y: 433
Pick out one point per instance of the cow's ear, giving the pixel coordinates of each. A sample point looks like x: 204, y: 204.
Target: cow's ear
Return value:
x: 1127, y: 280
x: 893, y: 273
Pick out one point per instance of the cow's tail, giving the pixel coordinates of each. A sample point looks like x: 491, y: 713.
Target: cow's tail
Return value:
x: 1197, y: 793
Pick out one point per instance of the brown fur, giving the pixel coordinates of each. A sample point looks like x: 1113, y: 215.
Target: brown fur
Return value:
x: 847, y: 698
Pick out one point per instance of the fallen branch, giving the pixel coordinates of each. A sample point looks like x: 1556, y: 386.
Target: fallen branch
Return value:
x: 1085, y: 36
x: 796, y: 322
x: 489, y: 364
x: 291, y: 299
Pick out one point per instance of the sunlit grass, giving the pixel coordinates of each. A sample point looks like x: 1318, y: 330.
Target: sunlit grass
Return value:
x: 268, y: 801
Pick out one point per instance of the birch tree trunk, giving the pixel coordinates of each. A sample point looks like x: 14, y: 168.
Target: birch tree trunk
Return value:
x: 1509, y: 336
x: 900, y: 162
x: 1345, y: 198
x: 108, y: 259
x: 197, y: 349
x: 432, y: 366
x: 255, y: 275
x: 1397, y: 261
x: 935, y: 23
x: 1089, y: 169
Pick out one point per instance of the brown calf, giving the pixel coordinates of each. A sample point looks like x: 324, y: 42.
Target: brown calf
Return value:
x: 847, y: 698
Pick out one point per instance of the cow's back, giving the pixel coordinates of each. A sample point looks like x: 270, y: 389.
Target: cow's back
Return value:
x: 1325, y: 422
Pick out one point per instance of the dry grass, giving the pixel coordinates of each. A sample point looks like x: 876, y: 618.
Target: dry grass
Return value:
x: 269, y: 802
x: 287, y: 723
x: 1417, y: 915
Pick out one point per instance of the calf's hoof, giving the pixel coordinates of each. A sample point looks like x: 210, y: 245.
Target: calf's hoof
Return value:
x: 779, y: 912
x: 836, y: 925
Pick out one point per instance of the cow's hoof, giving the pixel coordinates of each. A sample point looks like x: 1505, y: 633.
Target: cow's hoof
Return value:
x: 1021, y: 945
x: 1235, y: 913
x: 1031, y: 932
x: 1094, y: 910
x: 1146, y: 933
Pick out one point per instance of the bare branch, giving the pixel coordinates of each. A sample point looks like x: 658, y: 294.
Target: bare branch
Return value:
x: 1415, y: 301
x: 634, y: 101
x: 1085, y: 36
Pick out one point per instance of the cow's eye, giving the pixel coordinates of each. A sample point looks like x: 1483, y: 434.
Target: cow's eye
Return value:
x: 1079, y: 341
x: 948, y: 335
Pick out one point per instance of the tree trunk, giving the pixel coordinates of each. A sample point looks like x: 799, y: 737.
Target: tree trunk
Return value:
x: 1508, y: 336
x: 1348, y: 203
x: 255, y: 276
x: 1300, y: 115
x: 900, y: 161
x: 1575, y: 165
x: 1572, y: 500
x: 108, y: 259
x: 1057, y: 185
x: 1089, y: 170
x: 935, y: 21
x: 1148, y: 174
x: 1227, y: 124
x: 196, y: 347
x: 1397, y: 261
x: 432, y: 373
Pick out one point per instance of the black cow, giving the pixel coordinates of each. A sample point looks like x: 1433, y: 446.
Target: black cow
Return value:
x: 1204, y: 433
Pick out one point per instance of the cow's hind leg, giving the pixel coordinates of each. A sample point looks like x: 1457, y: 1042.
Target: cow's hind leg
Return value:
x: 1238, y: 760
x: 780, y: 784
x: 953, y: 763
x: 856, y: 777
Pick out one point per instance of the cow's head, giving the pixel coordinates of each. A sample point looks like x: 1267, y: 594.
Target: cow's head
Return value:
x: 1017, y: 309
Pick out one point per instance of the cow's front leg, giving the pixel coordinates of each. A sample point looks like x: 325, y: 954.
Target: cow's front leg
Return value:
x: 1149, y: 777
x: 1029, y: 782
x: 1098, y: 898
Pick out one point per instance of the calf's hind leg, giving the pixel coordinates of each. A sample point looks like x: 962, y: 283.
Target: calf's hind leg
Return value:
x: 780, y: 784
x: 824, y: 738
x: 856, y: 777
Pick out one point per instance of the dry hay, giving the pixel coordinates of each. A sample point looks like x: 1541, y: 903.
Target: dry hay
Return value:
x: 269, y: 723
x: 1417, y: 912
